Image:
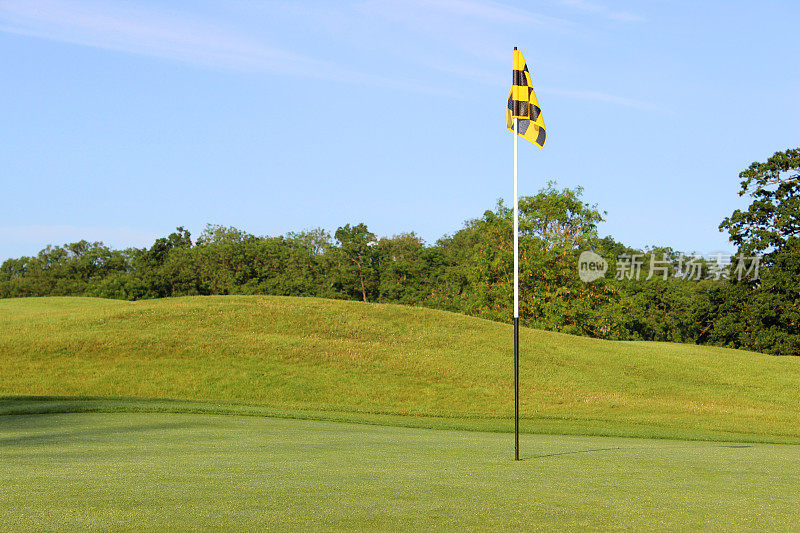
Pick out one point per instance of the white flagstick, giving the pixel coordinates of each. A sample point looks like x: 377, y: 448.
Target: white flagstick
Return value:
x: 516, y: 226
x: 516, y: 299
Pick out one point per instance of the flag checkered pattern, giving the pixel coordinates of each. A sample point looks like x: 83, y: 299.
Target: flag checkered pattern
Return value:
x: 522, y: 104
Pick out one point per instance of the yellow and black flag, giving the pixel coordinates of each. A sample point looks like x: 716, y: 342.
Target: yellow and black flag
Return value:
x: 522, y: 104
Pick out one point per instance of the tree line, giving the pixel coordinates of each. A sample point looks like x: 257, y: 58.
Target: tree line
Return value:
x: 471, y: 271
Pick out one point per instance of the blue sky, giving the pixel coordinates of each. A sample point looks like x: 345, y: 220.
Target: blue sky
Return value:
x: 123, y: 120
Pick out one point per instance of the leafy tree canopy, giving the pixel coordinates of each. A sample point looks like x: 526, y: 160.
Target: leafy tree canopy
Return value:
x: 773, y: 218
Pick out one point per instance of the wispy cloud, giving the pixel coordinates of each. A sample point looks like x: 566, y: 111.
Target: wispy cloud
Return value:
x: 477, y: 28
x: 138, y: 30
x: 170, y: 35
x: 482, y: 11
x: 602, y: 97
x: 464, y: 39
x: 604, y: 11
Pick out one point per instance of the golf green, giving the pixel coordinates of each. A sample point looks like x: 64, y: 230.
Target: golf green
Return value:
x: 151, y: 471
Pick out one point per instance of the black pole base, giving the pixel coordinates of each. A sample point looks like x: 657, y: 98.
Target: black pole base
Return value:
x: 516, y: 388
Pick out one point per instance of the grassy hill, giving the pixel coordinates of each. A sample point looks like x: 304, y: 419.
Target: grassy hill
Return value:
x: 340, y: 360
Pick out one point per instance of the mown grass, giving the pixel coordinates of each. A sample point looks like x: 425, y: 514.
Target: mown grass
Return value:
x: 179, y: 472
x: 313, y: 358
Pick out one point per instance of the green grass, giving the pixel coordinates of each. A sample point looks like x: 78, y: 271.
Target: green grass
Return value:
x: 253, y: 413
x: 381, y: 364
x: 158, y: 471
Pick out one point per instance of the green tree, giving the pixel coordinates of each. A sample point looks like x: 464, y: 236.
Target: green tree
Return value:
x: 772, y: 221
x: 357, y: 266
x: 769, y: 317
x: 152, y: 267
x: 555, y: 225
x: 403, y: 265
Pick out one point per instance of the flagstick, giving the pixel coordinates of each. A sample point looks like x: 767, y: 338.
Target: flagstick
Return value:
x: 516, y: 300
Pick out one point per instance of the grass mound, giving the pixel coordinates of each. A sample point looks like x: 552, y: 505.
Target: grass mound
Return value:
x: 389, y: 364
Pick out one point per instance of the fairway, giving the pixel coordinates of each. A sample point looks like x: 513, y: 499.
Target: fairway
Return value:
x: 154, y: 471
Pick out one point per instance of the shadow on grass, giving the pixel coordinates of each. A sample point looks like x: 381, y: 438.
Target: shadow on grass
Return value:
x: 27, y: 406
x: 86, y: 434
x: 542, y: 456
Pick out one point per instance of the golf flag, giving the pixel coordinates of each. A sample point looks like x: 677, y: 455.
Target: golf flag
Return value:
x: 522, y: 104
